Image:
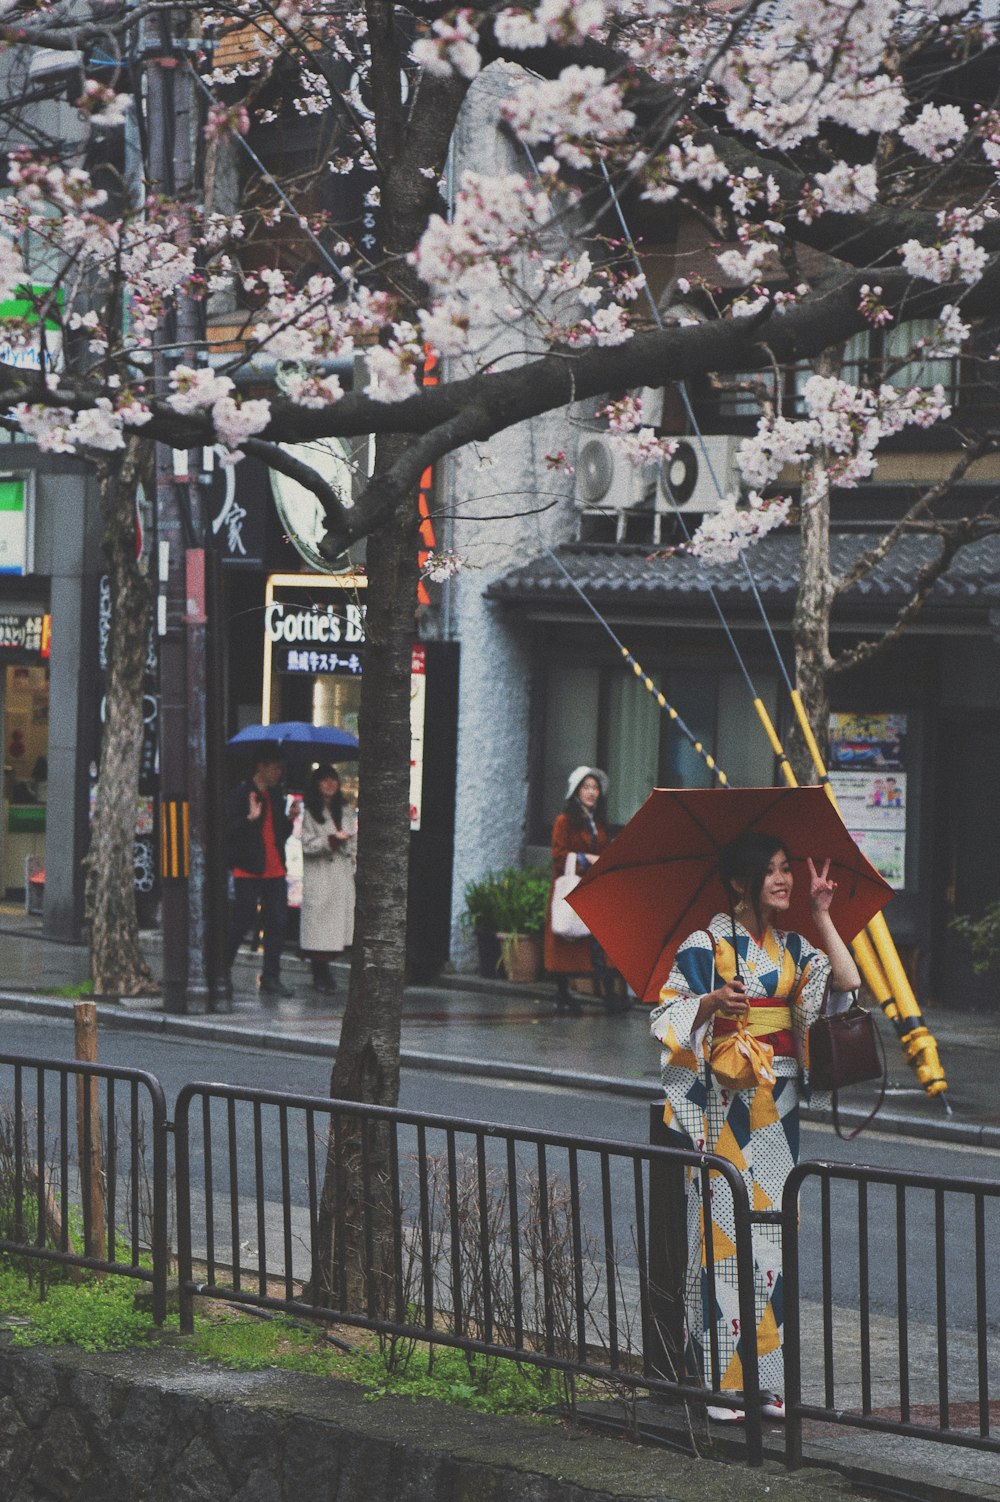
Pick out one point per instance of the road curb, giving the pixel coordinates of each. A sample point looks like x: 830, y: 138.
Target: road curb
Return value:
x: 211, y: 1030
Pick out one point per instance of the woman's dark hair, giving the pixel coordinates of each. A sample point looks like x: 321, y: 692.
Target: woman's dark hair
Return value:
x: 746, y: 859
x: 573, y: 808
x: 313, y: 798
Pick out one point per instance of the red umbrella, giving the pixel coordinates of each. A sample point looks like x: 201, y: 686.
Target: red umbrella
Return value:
x: 658, y: 880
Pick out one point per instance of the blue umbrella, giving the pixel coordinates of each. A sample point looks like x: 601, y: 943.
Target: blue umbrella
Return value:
x: 297, y: 735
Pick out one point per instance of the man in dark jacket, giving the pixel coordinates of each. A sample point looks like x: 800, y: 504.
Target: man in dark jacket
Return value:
x: 257, y: 829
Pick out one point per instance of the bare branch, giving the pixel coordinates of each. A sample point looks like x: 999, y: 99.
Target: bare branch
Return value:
x: 924, y: 503
x: 953, y: 538
x: 276, y: 457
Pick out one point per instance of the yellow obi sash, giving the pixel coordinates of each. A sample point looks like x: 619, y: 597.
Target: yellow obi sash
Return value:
x: 769, y: 1018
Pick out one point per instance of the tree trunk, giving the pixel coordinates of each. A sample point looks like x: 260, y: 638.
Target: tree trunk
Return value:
x: 811, y: 634
x: 116, y: 963
x: 367, y: 1063
x: 357, y: 1197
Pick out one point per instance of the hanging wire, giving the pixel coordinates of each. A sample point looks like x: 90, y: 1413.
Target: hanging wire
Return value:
x: 758, y: 702
x: 877, y: 956
x: 273, y: 183
x: 696, y: 430
x: 666, y: 708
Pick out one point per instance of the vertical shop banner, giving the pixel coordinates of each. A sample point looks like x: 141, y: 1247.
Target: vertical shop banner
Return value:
x: 867, y: 759
x: 236, y: 498
x: 144, y: 848
x: 418, y: 702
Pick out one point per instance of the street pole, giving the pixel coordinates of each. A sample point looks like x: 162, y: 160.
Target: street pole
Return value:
x: 181, y: 607
x: 191, y: 341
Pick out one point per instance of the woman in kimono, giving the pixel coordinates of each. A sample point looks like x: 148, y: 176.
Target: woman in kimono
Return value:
x: 746, y: 964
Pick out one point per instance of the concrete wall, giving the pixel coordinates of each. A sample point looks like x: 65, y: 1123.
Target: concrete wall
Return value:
x: 506, y: 479
x: 67, y: 551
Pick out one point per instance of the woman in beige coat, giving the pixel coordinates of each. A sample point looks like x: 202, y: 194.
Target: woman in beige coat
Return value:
x: 329, y: 838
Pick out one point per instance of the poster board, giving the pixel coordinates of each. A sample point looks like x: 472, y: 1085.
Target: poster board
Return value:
x: 867, y: 761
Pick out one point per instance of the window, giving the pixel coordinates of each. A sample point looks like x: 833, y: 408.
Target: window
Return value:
x: 604, y: 716
x: 869, y: 358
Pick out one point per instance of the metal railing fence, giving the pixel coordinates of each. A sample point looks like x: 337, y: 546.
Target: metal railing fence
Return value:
x: 902, y: 1354
x: 563, y: 1252
x: 83, y: 1159
x: 536, y: 1246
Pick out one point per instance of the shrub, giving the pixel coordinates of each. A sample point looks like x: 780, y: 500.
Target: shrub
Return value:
x: 983, y: 935
x: 508, y: 902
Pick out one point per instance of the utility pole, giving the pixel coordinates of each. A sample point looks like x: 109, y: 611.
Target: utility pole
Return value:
x: 182, y: 613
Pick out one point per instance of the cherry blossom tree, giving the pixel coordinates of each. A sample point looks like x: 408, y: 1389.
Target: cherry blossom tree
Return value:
x: 839, y: 156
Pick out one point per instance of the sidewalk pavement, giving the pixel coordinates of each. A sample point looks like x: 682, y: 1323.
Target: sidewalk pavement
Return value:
x: 527, y: 1039
x: 493, y: 1029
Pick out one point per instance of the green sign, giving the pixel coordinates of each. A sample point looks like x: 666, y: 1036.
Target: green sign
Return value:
x: 25, y: 308
x: 13, y: 527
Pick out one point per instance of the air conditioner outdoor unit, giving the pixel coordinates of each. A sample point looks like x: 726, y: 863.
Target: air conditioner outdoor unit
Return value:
x: 606, y: 481
x: 698, y: 474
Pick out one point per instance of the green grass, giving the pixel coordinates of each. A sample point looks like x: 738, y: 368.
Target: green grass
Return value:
x: 486, y: 1385
x: 95, y: 1314
x: 99, y: 1314
x: 75, y: 993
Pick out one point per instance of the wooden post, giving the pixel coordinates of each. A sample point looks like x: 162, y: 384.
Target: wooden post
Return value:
x: 88, y: 1132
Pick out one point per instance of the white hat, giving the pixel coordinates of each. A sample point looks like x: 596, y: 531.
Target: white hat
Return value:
x: 579, y: 773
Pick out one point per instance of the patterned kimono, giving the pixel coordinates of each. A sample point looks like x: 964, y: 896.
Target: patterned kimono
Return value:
x: 756, y: 1129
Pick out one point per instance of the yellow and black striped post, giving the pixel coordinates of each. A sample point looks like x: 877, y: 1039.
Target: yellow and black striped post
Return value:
x: 901, y: 1007
x: 669, y: 710
x: 174, y: 830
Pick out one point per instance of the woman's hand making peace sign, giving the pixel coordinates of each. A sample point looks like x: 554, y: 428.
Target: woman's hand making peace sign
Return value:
x: 821, y: 888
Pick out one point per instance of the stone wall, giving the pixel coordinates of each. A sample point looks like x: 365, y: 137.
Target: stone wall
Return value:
x: 158, y: 1426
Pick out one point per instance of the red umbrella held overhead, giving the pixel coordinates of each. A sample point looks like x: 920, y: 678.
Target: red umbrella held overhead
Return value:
x: 658, y: 880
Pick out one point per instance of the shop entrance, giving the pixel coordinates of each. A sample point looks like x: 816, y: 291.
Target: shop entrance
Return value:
x: 968, y: 837
x: 25, y: 719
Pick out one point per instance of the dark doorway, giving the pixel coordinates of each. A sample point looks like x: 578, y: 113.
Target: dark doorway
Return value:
x: 967, y: 871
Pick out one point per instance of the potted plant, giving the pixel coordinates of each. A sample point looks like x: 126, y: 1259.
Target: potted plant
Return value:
x: 523, y: 901
x: 506, y: 912
x: 479, y: 919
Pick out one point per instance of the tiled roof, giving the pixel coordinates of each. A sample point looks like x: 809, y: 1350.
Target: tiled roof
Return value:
x: 607, y: 572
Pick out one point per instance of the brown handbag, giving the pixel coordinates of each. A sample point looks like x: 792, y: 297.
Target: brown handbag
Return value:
x: 846, y: 1049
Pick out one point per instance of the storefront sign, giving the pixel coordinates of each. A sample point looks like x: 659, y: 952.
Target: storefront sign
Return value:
x: 341, y: 622
x: 873, y: 801
x: 291, y: 660
x: 26, y: 633
x: 301, y: 511
x: 20, y: 345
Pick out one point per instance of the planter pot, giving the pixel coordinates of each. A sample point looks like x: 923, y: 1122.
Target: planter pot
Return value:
x: 488, y: 945
x: 521, y: 956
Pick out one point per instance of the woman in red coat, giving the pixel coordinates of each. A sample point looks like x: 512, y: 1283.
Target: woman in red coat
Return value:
x: 581, y: 830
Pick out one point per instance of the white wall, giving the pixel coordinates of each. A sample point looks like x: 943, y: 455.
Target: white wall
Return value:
x: 508, y: 478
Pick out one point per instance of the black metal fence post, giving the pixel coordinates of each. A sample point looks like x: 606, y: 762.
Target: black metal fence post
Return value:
x: 667, y: 1254
x: 792, y: 1327
x: 182, y: 1173
x: 160, y: 1217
